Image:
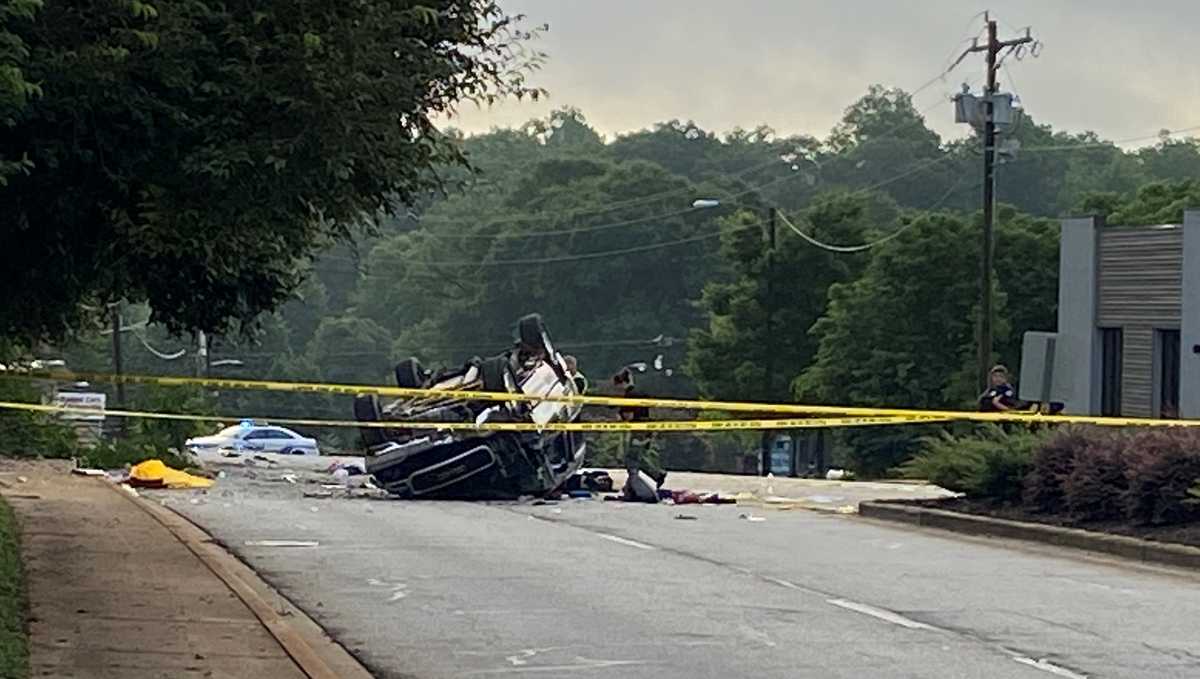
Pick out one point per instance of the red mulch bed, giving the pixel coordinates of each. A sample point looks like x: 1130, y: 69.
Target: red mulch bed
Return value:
x: 1182, y: 533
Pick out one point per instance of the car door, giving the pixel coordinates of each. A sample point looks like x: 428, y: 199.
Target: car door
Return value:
x: 256, y: 440
x: 275, y: 440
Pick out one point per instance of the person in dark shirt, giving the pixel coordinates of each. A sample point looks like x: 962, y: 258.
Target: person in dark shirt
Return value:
x: 639, y: 453
x: 576, y: 376
x: 1000, y: 396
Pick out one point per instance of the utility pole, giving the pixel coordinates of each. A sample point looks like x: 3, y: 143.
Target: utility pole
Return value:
x: 202, y: 364
x: 992, y: 50
x: 115, y: 315
x: 769, y: 328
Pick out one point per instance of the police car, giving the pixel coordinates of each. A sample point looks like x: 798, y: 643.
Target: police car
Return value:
x: 258, y: 437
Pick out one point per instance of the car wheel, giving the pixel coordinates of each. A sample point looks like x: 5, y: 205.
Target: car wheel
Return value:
x: 496, y: 374
x: 366, y: 409
x: 410, y: 374
x: 533, y: 336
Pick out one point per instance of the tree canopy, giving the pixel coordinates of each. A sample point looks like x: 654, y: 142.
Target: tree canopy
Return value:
x: 191, y: 154
x: 601, y: 236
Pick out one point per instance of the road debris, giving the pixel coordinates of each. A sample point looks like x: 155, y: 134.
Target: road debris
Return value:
x: 282, y: 543
x: 752, y: 518
x: 87, y: 471
x: 156, y: 474
x: 686, y: 517
x: 350, y: 468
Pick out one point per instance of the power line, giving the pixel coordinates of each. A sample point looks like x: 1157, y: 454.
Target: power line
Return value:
x: 160, y: 354
x: 664, y: 244
x: 1115, y: 144
x: 880, y: 241
x: 611, y: 207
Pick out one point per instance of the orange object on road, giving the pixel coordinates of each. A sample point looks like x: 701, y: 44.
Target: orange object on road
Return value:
x: 156, y: 474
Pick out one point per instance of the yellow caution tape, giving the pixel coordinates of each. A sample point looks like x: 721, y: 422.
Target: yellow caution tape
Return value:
x: 653, y: 426
x: 610, y: 401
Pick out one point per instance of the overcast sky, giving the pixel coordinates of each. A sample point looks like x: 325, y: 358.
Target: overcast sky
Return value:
x: 1124, y: 69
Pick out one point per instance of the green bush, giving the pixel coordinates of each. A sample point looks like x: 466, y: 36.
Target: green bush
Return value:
x: 115, y: 454
x: 163, y: 435
x: 876, y: 452
x: 991, y: 464
x: 31, y: 434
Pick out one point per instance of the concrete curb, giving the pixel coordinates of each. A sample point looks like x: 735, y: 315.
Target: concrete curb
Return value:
x: 316, y: 654
x: 1145, y: 551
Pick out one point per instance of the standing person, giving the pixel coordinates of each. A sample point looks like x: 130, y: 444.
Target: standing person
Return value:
x: 1000, y: 396
x: 573, y: 372
x: 645, y: 475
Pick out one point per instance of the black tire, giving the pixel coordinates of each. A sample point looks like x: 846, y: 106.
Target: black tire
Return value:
x: 366, y: 409
x: 410, y: 374
x: 533, y: 336
x: 496, y: 374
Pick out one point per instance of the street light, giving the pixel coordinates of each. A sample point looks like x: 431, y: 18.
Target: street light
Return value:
x: 768, y: 326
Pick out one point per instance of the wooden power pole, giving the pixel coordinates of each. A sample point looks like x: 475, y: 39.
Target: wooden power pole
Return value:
x: 992, y: 49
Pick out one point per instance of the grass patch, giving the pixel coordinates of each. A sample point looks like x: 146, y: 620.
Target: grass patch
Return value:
x: 14, y: 639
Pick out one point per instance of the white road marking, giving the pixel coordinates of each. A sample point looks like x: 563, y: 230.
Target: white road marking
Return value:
x: 626, y: 542
x: 282, y: 543
x: 584, y: 664
x: 881, y: 613
x: 1047, y: 666
x: 785, y: 583
x: 522, y: 658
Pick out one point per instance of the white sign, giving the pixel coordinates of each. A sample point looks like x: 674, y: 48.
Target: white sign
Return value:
x: 75, y: 399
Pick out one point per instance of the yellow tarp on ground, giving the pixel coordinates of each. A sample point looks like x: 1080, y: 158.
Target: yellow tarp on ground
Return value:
x: 156, y: 473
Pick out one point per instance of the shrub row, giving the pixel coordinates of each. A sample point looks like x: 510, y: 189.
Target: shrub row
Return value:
x: 1088, y: 474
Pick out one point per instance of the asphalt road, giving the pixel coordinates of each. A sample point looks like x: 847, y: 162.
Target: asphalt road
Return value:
x: 587, y: 588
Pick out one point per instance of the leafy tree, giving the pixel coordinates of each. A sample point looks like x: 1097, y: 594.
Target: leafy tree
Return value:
x: 730, y: 354
x: 566, y: 128
x: 349, y: 350
x: 902, y: 333
x: 15, y: 88
x: 1171, y: 158
x: 1158, y: 203
x: 187, y: 154
x: 1026, y: 261
x: 682, y: 148
x: 546, y: 248
x: 882, y: 141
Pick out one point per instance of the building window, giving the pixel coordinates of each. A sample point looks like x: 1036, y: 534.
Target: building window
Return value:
x: 1168, y: 373
x: 1110, y: 371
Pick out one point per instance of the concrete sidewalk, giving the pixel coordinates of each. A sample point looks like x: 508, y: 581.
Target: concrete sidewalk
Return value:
x: 784, y: 492
x: 114, y: 593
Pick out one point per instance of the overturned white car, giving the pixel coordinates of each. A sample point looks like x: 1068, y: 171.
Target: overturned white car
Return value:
x: 478, y: 464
